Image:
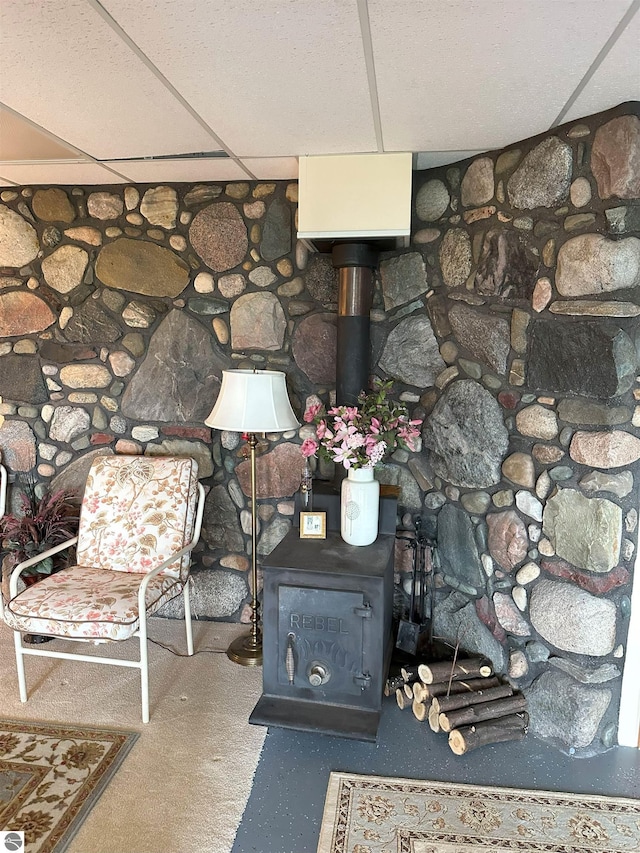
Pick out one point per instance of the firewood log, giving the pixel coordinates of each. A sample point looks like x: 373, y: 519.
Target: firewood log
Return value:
x: 443, y: 688
x: 478, y: 713
x: 445, y: 670
x: 409, y: 672
x: 445, y: 704
x: 402, y: 699
x: 465, y: 739
x: 434, y: 723
x: 420, y: 710
x: 420, y: 693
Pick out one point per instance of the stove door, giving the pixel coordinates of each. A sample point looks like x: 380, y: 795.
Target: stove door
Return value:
x: 321, y: 641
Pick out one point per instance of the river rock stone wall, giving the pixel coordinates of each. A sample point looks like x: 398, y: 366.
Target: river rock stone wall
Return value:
x: 509, y: 324
x: 531, y: 437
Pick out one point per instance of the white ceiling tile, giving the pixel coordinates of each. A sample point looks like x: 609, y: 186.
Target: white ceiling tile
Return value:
x: 273, y: 168
x: 616, y: 80
x: 273, y: 77
x: 64, y: 174
x: 86, y: 86
x: 181, y: 171
x: 470, y: 74
x: 19, y: 140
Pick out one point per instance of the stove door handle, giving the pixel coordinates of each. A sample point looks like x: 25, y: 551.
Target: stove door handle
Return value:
x: 290, y: 658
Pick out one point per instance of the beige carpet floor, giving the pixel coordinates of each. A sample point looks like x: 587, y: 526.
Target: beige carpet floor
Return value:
x: 184, y: 785
x: 376, y: 814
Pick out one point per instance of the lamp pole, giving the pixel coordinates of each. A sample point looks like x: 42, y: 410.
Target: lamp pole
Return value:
x: 247, y: 650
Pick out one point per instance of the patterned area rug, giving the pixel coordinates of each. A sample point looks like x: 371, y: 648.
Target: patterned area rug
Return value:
x: 51, y: 776
x: 372, y: 814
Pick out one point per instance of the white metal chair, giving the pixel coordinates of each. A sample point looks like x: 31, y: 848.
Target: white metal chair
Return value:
x: 140, y: 519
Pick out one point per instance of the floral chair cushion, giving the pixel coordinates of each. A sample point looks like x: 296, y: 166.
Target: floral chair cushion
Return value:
x: 87, y: 602
x: 136, y: 511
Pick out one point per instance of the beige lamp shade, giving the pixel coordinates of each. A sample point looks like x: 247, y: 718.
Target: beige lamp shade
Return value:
x: 253, y: 401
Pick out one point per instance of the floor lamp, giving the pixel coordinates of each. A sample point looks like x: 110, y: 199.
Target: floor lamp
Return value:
x: 250, y: 402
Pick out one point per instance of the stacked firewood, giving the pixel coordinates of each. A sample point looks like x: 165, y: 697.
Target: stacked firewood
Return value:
x: 464, y: 699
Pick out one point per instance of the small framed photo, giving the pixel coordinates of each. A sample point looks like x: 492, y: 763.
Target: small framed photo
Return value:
x: 313, y: 525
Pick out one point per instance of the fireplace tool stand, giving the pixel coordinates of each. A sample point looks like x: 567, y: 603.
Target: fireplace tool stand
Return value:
x: 411, y: 630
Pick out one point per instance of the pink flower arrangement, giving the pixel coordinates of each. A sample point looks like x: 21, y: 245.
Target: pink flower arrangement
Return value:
x: 361, y: 436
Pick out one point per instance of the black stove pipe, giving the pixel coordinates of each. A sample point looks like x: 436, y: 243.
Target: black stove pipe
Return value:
x: 355, y: 263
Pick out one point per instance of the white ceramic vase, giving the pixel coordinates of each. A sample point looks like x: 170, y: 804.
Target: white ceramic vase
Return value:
x: 359, y: 506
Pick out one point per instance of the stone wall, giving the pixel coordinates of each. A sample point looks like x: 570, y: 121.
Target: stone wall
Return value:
x: 509, y: 323
x: 531, y: 447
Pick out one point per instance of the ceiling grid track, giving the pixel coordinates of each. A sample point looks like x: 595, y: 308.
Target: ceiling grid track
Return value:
x: 597, y: 62
x: 106, y: 17
x: 367, y: 46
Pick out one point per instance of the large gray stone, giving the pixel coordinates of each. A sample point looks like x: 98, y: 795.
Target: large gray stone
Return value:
x: 485, y: 336
x: 403, y: 278
x: 591, y: 264
x: 507, y: 267
x: 272, y: 535
x: 220, y: 524
x: 64, y: 268
x: 321, y: 280
x: 90, y: 324
x: 478, y: 184
x: 21, y: 379
x: 395, y: 475
x: 18, y: 239
x: 257, y: 322
x: 411, y: 353
x: 68, y: 422
x: 457, y: 547
x: 466, y: 436
x: 278, y: 472
x: 584, y: 531
x: 276, y: 232
x: 314, y: 347
x: 615, y: 158
x: 575, y: 410
x: 17, y: 446
x: 584, y: 357
x: 456, y: 621
x: 432, y: 200
x: 182, y: 447
x: 508, y: 539
x: 564, y: 711
x: 74, y: 477
x: 543, y: 179
x: 140, y: 266
x: 219, y: 236
x: 573, y: 619
x: 180, y: 377
x: 215, y: 595
x: 455, y: 257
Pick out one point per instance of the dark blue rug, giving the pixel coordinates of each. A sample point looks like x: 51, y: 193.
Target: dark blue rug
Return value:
x: 285, y: 807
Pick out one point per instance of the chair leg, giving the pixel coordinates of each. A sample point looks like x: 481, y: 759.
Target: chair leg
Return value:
x: 187, y: 617
x: 22, y: 681
x: 144, y: 667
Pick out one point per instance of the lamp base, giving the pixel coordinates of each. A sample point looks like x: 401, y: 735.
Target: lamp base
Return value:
x: 245, y: 651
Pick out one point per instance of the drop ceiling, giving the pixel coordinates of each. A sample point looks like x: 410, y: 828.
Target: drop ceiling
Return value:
x: 206, y: 90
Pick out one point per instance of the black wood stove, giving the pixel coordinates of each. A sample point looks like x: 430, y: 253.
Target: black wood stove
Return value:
x: 327, y: 632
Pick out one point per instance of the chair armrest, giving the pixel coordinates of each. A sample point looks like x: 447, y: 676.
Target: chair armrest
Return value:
x: 32, y: 561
